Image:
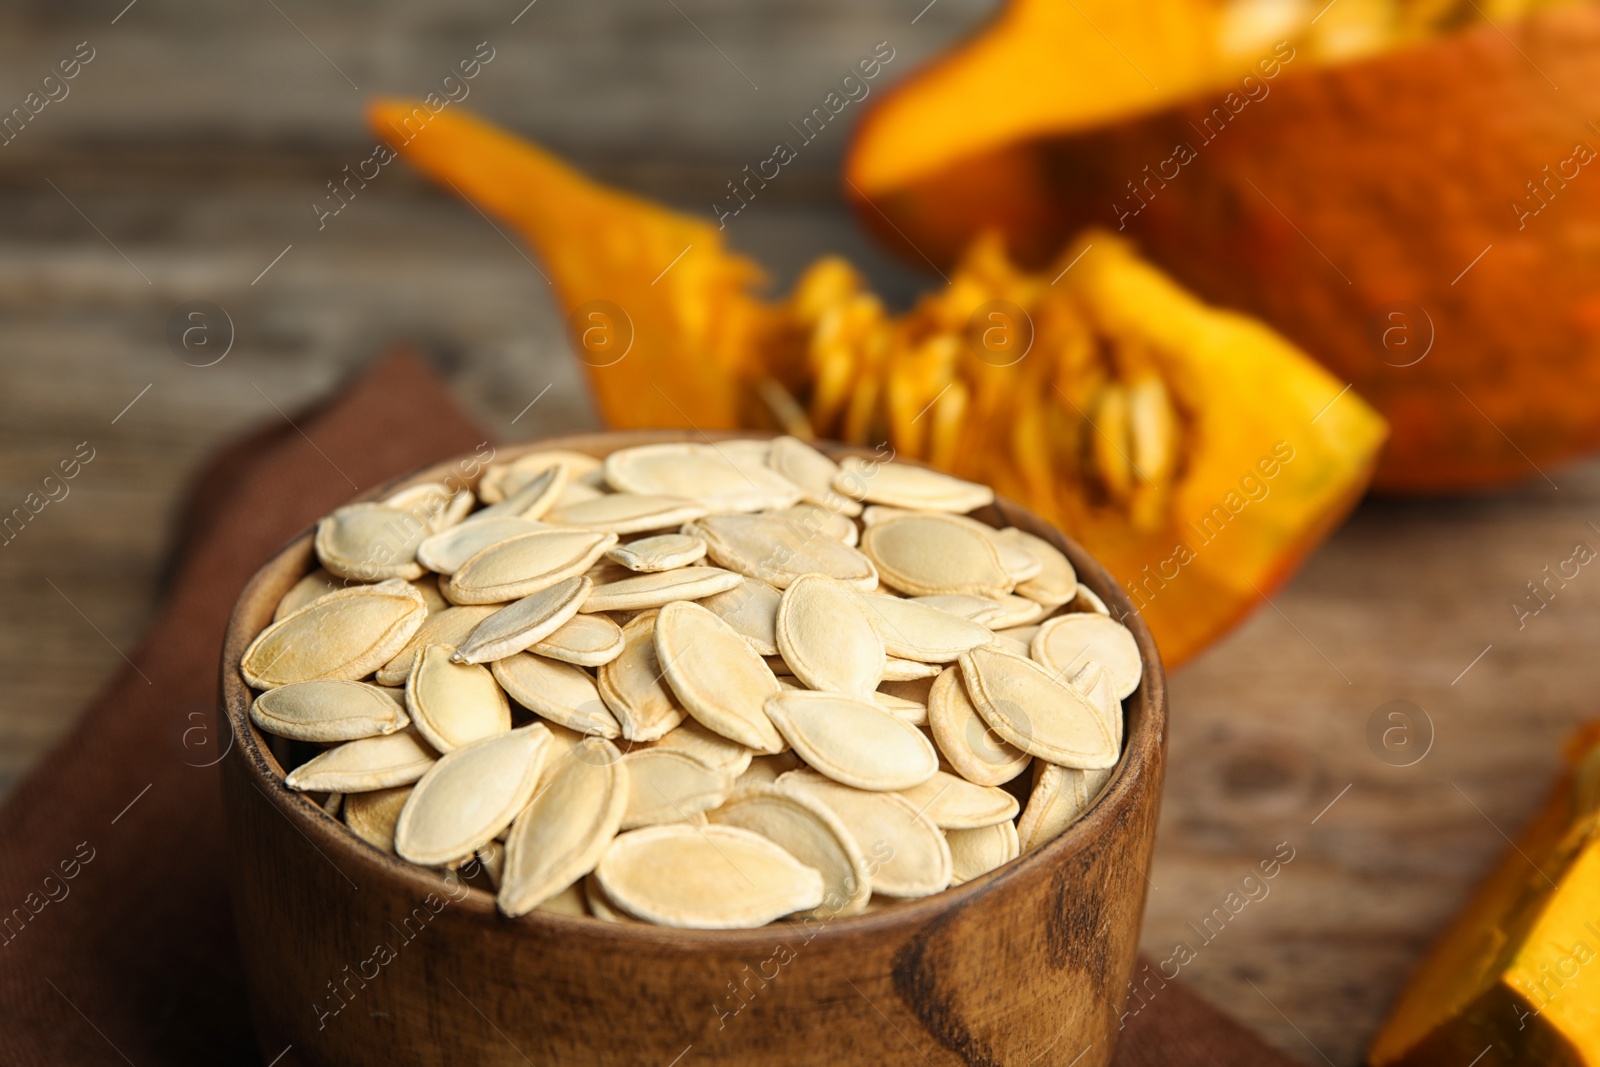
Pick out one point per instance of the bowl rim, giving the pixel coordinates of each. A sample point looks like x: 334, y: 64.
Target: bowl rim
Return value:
x: 1142, y: 753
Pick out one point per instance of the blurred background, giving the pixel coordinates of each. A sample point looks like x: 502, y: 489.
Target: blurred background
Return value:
x: 183, y: 165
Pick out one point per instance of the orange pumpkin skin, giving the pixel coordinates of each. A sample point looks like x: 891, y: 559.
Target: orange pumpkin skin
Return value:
x: 1343, y: 192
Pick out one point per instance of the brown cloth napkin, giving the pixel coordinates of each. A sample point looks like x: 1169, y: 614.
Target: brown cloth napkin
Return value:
x: 116, y: 941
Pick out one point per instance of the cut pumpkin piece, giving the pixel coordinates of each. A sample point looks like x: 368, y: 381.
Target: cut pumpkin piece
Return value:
x: 1393, y: 185
x: 1194, y: 452
x: 1518, y: 971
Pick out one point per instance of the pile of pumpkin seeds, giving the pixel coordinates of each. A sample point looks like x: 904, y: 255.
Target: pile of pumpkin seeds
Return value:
x: 698, y: 685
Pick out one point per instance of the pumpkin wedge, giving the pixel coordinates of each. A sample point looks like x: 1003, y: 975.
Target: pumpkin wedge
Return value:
x: 1518, y: 972
x: 1195, y: 452
x: 1403, y: 189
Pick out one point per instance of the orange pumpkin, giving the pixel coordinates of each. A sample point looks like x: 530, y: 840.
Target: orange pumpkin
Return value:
x: 1401, y: 188
x: 1199, y: 455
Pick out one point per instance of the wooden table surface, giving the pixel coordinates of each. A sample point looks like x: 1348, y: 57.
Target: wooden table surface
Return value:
x: 185, y: 160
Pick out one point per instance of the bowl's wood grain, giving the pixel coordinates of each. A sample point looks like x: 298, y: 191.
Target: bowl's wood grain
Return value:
x: 355, y: 957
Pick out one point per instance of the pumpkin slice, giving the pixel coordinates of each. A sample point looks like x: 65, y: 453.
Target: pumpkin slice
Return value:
x: 1257, y: 151
x: 1196, y: 453
x: 1519, y: 969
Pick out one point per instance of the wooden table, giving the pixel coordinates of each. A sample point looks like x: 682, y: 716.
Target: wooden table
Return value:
x: 184, y: 163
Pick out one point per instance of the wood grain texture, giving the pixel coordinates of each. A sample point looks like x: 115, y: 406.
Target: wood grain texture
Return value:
x: 1024, y: 964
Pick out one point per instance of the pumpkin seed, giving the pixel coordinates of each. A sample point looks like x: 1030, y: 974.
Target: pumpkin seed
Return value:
x: 666, y: 786
x: 765, y: 770
x: 530, y: 500
x: 431, y: 503
x: 446, y: 551
x: 930, y: 555
x: 906, y: 854
x: 525, y: 622
x: 499, y: 479
x: 469, y: 796
x: 778, y: 551
x: 633, y: 687
x: 454, y: 704
x: 826, y: 638
x: 345, y: 635
x: 556, y: 691
x: 953, y: 803
x: 979, y: 609
x: 370, y: 542
x: 623, y: 513
x: 566, y: 828
x: 361, y: 766
x: 809, y: 831
x: 1056, y: 582
x: 751, y: 608
x: 1087, y: 600
x: 1015, y: 611
x: 709, y: 877
x: 319, y: 583
x: 902, y: 485
x: 812, y: 473
x: 820, y: 520
x: 913, y: 630
x: 724, y: 758
x: 905, y: 710
x: 328, y: 711
x: 853, y: 741
x: 1059, y: 796
x: 569, y: 901
x: 977, y: 753
x: 371, y: 816
x: 1066, y: 643
x: 1024, y: 704
x: 717, y: 678
x: 600, y: 906
x: 977, y: 852
x: 663, y: 552
x: 448, y: 627
x: 586, y: 640
x: 703, y: 473
x: 525, y: 564
x: 896, y: 669
x: 653, y: 590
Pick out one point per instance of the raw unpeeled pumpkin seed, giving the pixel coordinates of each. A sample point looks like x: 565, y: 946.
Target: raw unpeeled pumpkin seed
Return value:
x: 751, y: 608
x: 853, y: 741
x: 566, y: 828
x: 585, y: 640
x: 633, y: 685
x: 1066, y: 643
x: 706, y: 877
x: 469, y: 796
x: 663, y: 552
x: 369, y: 542
x: 625, y: 513
x: 911, y: 630
x: 556, y: 691
x: 1056, y: 582
x: 454, y: 704
x: 810, y: 832
x: 977, y: 753
x: 328, y: 711
x: 701, y: 473
x: 345, y: 635
x: 371, y: 816
x: 896, y: 669
x: 905, y: 852
x: 720, y: 756
x: 319, y: 583
x: 826, y: 638
x: 953, y: 803
x: 977, y: 852
x: 531, y: 499
x: 524, y: 623
x: 448, y: 627
x: 644, y: 591
x: 1059, y: 796
x: 446, y: 551
x: 362, y: 766
x: 502, y: 478
x: 812, y: 472
x: 902, y: 485
x: 778, y: 551
x: 717, y: 677
x: 511, y: 569
x: 1026, y: 705
x: 666, y: 786
x: 931, y: 555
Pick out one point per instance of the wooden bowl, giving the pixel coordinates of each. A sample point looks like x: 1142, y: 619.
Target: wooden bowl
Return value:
x: 355, y: 957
